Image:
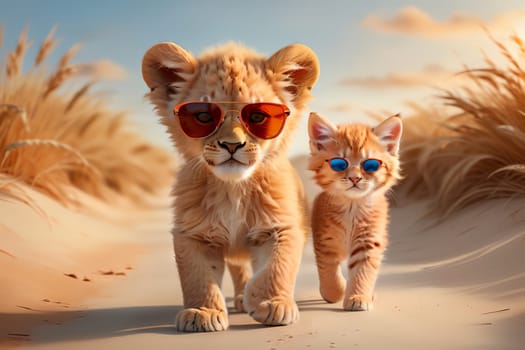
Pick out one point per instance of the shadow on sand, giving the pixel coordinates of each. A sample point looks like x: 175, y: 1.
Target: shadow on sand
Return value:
x: 93, y: 324
x: 60, y: 326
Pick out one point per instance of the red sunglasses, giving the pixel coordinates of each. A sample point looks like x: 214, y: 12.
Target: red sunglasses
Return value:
x: 264, y: 120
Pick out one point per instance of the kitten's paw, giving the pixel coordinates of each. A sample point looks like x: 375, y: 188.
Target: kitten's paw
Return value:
x: 334, y: 291
x: 358, y: 303
x: 239, y: 302
x: 201, y: 320
x: 276, y: 312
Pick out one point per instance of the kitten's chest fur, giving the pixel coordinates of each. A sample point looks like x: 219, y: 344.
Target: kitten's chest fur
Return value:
x: 361, y: 220
x: 355, y: 214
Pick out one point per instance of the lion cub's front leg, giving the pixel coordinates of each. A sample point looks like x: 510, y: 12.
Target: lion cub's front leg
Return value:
x: 240, y: 273
x: 200, y: 269
x: 268, y: 295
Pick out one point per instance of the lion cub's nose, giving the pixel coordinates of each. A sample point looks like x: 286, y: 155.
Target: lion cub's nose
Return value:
x: 231, y: 147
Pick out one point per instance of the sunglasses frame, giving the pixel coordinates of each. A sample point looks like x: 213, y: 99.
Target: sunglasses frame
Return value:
x: 224, y: 111
x: 348, y: 164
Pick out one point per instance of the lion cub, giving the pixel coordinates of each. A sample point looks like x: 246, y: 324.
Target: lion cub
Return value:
x: 355, y: 165
x: 238, y: 201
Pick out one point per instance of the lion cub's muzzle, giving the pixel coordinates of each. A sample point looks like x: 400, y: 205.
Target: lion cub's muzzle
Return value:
x: 231, y: 147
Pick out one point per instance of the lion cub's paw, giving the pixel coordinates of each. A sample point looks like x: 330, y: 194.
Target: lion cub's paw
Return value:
x: 239, y: 303
x: 201, y: 320
x: 276, y: 312
x: 358, y: 303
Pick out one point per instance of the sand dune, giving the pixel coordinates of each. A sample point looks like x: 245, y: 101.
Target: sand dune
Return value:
x: 456, y: 284
x: 53, y: 258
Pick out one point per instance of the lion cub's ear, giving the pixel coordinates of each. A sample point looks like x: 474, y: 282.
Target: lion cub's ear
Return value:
x: 166, y: 68
x: 297, y: 67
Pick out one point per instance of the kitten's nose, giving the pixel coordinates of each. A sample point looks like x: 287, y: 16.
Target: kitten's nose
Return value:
x: 355, y: 179
x: 231, y: 147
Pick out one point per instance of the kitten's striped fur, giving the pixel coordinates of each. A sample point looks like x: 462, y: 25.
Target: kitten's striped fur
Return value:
x: 350, y: 216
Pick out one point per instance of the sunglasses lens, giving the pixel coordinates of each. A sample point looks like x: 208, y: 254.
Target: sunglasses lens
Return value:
x: 198, y: 119
x: 371, y: 165
x: 338, y: 164
x: 264, y: 120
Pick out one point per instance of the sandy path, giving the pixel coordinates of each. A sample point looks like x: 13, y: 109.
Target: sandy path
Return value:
x: 52, y: 261
x: 455, y: 285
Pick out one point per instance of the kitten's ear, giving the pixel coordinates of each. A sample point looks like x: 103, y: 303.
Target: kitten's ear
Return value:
x: 321, y: 132
x: 389, y: 133
x: 296, y: 67
x: 166, y: 69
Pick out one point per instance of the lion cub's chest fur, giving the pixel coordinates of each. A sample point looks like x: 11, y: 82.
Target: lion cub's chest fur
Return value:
x: 229, y: 212
x: 229, y: 217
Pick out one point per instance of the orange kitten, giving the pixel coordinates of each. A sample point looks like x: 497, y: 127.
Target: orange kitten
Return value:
x: 355, y: 165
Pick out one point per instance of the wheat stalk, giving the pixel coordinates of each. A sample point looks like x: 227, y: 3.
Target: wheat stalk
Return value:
x: 63, y: 71
x: 64, y: 61
x: 58, y: 78
x: 78, y: 95
x: 16, y: 58
x: 40, y: 142
x: 46, y: 47
x: 9, y: 109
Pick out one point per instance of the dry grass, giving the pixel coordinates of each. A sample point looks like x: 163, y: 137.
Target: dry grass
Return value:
x: 53, y: 138
x: 477, y: 152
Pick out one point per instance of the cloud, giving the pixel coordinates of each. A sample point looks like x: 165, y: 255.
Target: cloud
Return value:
x: 414, y: 21
x: 102, y: 70
x: 342, y: 108
x: 431, y: 75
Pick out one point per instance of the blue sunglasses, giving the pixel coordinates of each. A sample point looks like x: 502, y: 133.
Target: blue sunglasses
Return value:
x: 340, y: 164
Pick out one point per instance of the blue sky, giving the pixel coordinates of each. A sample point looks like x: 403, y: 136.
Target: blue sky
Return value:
x: 392, y: 50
